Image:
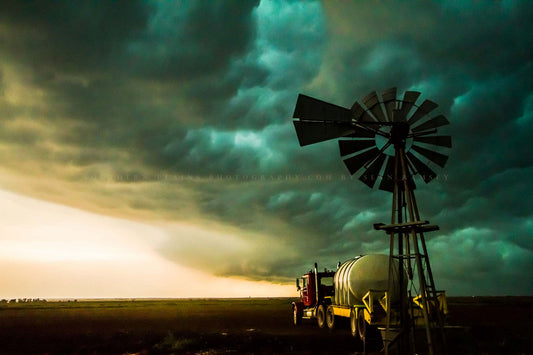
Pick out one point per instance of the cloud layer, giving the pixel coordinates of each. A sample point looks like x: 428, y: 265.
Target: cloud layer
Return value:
x: 181, y: 111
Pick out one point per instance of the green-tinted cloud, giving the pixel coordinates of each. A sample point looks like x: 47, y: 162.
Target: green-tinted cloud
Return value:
x: 182, y: 111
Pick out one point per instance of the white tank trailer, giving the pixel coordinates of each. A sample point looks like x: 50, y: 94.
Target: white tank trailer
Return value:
x: 355, y: 277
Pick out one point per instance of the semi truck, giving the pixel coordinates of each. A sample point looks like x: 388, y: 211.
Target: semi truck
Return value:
x: 358, y: 290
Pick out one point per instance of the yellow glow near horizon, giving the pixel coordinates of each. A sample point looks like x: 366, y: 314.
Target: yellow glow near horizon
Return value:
x: 53, y: 251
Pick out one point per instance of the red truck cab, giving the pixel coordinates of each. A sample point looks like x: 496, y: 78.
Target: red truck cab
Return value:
x: 316, y: 288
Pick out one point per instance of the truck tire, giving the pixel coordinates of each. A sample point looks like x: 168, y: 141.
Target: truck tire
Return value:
x: 330, y: 317
x: 353, y: 323
x: 296, y: 316
x: 321, y: 316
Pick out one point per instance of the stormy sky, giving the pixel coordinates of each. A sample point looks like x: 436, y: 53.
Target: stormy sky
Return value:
x: 177, y: 117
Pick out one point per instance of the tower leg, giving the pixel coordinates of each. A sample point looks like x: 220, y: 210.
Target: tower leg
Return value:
x: 410, y: 241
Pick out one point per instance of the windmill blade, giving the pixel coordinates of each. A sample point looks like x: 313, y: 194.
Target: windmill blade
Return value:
x: 359, y: 113
x: 422, y: 169
x: 387, y: 181
x: 310, y: 132
x: 371, y: 101
x: 348, y: 147
x: 357, y: 161
x: 389, y: 100
x: 443, y: 141
x: 437, y: 158
x: 426, y: 107
x: 409, y: 99
x: 362, y: 133
x: 435, y: 122
x: 371, y: 174
x: 311, y: 109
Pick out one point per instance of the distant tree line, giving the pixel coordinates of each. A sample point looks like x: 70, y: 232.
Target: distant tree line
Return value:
x: 23, y: 300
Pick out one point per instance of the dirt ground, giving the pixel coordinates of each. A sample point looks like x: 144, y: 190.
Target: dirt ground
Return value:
x: 478, y: 325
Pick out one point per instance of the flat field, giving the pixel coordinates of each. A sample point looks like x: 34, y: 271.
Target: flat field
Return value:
x: 483, y: 325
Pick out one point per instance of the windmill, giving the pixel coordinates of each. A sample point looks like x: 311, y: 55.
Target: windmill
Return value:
x: 390, y: 142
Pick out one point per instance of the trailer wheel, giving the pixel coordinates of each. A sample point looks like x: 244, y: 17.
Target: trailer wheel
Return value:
x: 353, y: 323
x: 321, y: 316
x: 296, y: 316
x: 330, y: 317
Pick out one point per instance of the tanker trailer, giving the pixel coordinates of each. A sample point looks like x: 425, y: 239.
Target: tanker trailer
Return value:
x: 361, y: 292
x: 358, y: 290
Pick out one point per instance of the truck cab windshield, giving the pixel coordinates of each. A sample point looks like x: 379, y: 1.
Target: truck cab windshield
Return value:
x: 326, y: 281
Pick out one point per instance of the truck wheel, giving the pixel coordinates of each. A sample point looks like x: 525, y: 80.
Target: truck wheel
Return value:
x: 353, y: 323
x: 330, y: 317
x: 296, y: 317
x: 321, y: 316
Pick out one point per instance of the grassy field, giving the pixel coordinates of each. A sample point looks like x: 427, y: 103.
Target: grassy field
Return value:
x: 233, y: 326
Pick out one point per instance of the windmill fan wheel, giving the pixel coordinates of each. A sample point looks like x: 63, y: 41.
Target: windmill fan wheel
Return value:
x: 375, y: 131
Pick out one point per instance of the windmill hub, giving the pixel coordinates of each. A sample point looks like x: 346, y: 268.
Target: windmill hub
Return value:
x: 385, y: 138
x: 399, y: 133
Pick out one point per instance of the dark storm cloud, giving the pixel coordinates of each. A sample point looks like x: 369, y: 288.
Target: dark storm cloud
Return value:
x: 223, y: 66
x: 312, y: 216
x: 243, y: 99
x: 207, y: 90
x: 191, y: 40
x: 441, y: 49
x: 71, y: 36
x: 279, y: 62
